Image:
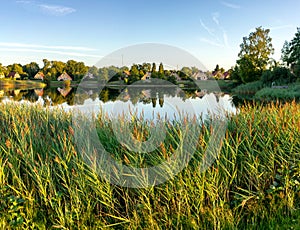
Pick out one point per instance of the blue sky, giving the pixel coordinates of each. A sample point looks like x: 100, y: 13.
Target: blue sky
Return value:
x: 88, y: 30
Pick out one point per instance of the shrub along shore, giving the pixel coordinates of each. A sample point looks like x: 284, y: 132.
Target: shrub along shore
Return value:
x: 253, y: 183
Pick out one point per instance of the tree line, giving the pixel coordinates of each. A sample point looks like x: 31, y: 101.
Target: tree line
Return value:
x: 254, y: 62
x: 77, y: 70
x: 51, y: 69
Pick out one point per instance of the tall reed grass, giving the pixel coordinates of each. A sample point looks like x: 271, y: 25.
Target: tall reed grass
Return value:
x: 254, y: 182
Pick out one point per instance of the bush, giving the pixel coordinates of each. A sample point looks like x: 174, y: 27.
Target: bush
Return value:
x: 280, y: 75
x: 271, y: 94
x: 67, y: 83
x: 249, y: 88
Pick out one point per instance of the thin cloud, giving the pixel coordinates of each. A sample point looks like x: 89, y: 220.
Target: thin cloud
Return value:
x: 74, y: 54
x: 272, y: 28
x: 215, y: 17
x: 208, y: 30
x: 219, y: 41
x: 210, y: 42
x: 24, y: 2
x: 24, y: 45
x: 281, y: 27
x: 230, y: 5
x: 57, y: 10
x: 225, y: 38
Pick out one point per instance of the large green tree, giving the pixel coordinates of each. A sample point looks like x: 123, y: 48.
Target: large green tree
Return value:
x: 254, y: 55
x: 76, y: 69
x: 3, y: 69
x: 291, y: 53
x: 31, y: 69
x: 161, y: 71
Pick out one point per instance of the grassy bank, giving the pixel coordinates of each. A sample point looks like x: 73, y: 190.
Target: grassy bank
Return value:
x: 21, y: 84
x: 258, y: 91
x: 253, y: 184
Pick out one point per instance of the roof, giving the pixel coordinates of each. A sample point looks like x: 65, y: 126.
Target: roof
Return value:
x: 146, y: 76
x: 39, y: 92
x: 64, y: 91
x: 89, y: 76
x: 13, y: 74
x: 39, y: 75
x: 64, y: 76
x: 126, y: 72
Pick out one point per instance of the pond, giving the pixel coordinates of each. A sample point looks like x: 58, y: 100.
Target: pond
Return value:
x: 146, y: 102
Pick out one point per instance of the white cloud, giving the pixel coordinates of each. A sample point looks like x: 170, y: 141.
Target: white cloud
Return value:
x: 210, y: 42
x: 215, y: 17
x: 24, y: 2
x: 219, y: 41
x: 28, y: 50
x: 281, y: 27
x: 57, y: 10
x: 230, y: 5
x: 208, y: 30
x: 24, y: 45
x: 225, y: 38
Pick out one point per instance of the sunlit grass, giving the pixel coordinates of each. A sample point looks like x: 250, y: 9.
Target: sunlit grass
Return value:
x: 254, y: 182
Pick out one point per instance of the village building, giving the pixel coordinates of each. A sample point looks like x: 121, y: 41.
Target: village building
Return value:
x: 64, y: 91
x: 14, y: 75
x: 64, y: 77
x: 39, y: 76
x: 147, y: 76
x: 200, y: 76
x: 88, y: 76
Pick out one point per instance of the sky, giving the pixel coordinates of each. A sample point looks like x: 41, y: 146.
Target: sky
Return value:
x: 87, y: 31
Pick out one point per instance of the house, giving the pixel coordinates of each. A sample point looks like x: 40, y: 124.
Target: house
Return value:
x: 64, y: 77
x: 126, y: 72
x: 39, y: 76
x: 226, y: 75
x: 39, y: 92
x: 88, y: 76
x: 14, y: 75
x: 147, y: 76
x: 200, y: 76
x: 64, y: 91
x: 2, y: 75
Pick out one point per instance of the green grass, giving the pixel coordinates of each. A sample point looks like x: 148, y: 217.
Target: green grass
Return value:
x: 253, y: 184
x: 273, y: 94
x: 24, y: 84
x: 249, y: 88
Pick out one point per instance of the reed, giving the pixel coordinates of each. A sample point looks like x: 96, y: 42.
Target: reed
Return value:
x: 254, y: 182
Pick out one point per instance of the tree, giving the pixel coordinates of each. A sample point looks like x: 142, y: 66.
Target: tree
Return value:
x: 254, y: 55
x: 93, y: 70
x: 31, y: 69
x: 103, y: 74
x: 57, y: 68
x: 153, y: 70
x: 134, y: 74
x: 17, y: 68
x: 279, y: 75
x: 285, y: 53
x: 161, y: 71
x: 217, y: 68
x: 3, y: 69
x: 185, y: 73
x: 291, y: 53
x: 47, y: 65
x: 146, y: 67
